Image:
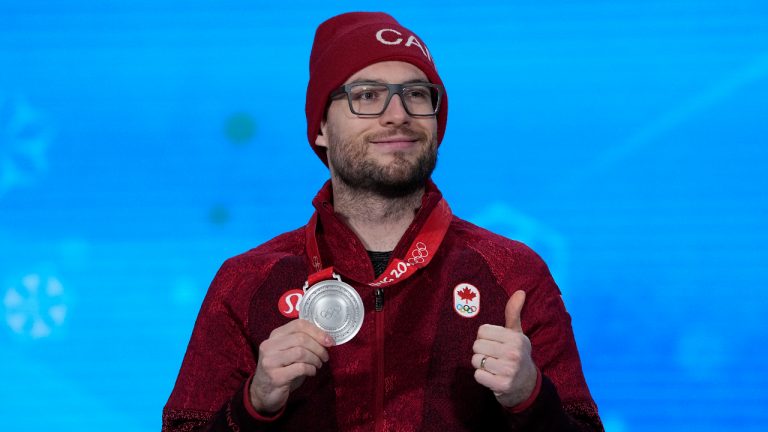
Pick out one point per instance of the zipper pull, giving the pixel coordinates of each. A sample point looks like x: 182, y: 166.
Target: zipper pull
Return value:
x: 379, y: 299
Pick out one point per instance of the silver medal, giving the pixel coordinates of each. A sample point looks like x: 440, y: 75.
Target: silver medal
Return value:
x: 335, y: 307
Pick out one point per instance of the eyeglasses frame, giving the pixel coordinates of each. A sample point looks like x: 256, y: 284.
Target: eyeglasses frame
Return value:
x: 393, y: 89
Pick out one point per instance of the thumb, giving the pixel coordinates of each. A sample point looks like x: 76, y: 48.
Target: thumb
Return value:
x: 513, y: 309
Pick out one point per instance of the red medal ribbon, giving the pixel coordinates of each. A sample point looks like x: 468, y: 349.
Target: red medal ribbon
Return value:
x: 420, y: 253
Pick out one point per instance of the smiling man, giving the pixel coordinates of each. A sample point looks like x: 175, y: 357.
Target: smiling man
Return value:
x: 386, y: 311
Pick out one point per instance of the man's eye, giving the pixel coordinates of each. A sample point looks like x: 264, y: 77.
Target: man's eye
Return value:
x: 418, y: 93
x: 367, y: 94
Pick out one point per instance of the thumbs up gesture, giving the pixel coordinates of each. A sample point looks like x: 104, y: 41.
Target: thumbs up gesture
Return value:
x: 502, y: 356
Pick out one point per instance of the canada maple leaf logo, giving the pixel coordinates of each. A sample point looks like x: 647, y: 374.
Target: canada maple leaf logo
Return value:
x: 466, y: 294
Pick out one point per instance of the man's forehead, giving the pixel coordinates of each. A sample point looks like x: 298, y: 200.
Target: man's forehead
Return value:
x: 389, y: 72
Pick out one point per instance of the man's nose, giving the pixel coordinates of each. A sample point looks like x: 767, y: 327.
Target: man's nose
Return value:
x: 395, y: 113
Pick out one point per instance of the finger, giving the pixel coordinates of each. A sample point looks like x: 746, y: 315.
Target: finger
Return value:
x: 497, y: 333
x: 490, y: 380
x: 289, y: 341
x: 489, y: 348
x: 306, y: 341
x: 284, y: 376
x: 304, y: 326
x: 513, y: 309
x: 477, y: 362
x: 512, y: 350
x: 290, y: 356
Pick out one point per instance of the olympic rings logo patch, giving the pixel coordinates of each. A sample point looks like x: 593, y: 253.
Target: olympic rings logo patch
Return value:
x: 466, y: 309
x: 466, y: 298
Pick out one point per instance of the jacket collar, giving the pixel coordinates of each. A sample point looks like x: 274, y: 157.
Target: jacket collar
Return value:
x: 339, y: 245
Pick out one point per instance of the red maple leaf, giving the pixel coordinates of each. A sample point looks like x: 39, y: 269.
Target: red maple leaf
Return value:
x: 466, y: 294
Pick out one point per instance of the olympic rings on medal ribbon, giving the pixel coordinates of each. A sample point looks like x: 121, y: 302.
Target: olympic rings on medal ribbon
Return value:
x: 418, y: 254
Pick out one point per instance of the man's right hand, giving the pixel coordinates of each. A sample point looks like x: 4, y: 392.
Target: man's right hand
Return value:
x: 292, y: 352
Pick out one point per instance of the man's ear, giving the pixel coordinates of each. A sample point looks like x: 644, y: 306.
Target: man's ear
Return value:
x: 322, y: 140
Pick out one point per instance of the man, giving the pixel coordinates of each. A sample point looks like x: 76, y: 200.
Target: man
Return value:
x: 429, y: 322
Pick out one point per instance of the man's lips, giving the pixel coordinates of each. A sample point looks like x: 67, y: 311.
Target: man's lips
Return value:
x: 395, y: 142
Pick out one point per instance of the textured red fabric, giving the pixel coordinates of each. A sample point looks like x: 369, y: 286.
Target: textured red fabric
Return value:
x: 524, y: 405
x: 409, y: 368
x: 252, y: 411
x: 349, y: 42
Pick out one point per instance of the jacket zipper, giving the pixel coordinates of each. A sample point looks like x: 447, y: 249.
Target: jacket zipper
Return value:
x: 379, y: 360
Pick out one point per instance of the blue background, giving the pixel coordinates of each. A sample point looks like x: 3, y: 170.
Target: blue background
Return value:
x: 142, y: 143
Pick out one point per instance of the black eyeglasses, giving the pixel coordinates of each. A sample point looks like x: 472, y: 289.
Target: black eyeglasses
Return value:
x: 372, y: 98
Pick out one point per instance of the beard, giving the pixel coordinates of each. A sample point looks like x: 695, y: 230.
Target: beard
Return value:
x: 399, y: 178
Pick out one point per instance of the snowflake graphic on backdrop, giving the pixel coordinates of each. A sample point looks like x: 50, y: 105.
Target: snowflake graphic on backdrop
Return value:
x: 35, y: 306
x: 503, y: 218
x: 24, y: 139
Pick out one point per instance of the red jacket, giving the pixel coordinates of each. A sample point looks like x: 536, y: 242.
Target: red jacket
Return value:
x: 414, y: 373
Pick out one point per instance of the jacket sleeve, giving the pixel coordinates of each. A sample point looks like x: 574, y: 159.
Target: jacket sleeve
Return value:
x: 211, y: 389
x: 547, y: 413
x: 562, y: 401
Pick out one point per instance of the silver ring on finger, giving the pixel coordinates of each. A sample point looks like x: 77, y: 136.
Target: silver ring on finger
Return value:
x: 482, y: 363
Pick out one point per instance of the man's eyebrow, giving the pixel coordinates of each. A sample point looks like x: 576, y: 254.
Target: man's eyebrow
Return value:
x: 370, y: 80
x: 417, y: 81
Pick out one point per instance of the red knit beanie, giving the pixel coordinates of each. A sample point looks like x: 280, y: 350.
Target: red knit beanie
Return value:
x: 352, y: 41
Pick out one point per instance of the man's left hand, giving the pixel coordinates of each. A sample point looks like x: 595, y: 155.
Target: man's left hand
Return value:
x: 508, y: 369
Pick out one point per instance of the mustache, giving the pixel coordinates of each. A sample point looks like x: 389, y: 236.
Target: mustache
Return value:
x: 401, y: 131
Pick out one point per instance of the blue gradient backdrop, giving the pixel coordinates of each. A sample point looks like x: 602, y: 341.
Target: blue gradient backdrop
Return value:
x: 142, y: 143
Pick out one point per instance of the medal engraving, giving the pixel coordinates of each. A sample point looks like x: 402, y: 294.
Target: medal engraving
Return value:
x: 335, y: 307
